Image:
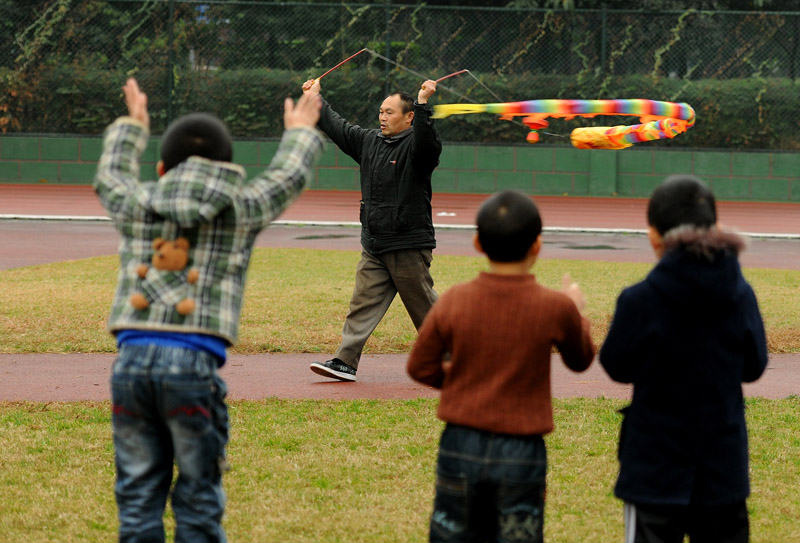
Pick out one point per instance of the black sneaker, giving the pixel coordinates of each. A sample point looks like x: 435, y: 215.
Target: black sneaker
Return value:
x: 334, y: 368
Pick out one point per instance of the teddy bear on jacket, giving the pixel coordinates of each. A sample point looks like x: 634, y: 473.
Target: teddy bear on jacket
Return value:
x: 172, y: 256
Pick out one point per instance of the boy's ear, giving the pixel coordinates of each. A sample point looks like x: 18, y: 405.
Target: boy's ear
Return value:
x: 537, y: 246
x: 656, y: 241
x: 160, y: 168
x: 476, y: 242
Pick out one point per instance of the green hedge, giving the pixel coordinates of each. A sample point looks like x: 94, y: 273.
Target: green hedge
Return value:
x: 741, y: 113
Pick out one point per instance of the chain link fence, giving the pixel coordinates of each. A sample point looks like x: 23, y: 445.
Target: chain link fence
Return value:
x: 62, y: 63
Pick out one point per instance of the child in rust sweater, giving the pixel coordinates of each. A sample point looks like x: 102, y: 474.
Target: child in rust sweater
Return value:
x: 487, y: 345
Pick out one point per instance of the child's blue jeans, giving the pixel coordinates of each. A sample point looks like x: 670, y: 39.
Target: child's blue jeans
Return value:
x: 168, y: 405
x: 489, y: 487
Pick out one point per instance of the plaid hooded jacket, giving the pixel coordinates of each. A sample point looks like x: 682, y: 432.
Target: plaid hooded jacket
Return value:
x: 210, y: 204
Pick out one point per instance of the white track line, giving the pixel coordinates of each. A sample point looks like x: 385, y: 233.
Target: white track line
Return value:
x: 557, y: 229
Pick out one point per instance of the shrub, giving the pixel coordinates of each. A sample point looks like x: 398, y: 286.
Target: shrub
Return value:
x: 750, y: 113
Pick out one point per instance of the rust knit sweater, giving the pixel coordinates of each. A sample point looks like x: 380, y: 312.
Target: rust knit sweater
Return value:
x: 499, y: 331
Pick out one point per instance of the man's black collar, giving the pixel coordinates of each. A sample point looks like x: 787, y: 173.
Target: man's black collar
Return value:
x: 395, y: 137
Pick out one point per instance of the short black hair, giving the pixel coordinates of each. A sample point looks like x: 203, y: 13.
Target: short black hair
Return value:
x: 195, y: 134
x: 508, y: 225
x: 681, y: 200
x: 406, y: 100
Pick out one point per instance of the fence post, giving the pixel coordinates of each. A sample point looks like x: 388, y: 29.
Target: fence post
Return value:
x: 388, y: 44
x: 603, y: 38
x: 793, y: 52
x: 170, y: 59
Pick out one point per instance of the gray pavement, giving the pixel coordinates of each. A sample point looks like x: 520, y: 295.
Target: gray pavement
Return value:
x: 27, y: 243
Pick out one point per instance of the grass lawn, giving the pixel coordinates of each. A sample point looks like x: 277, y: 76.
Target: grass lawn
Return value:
x: 352, y: 471
x: 346, y: 471
x: 296, y: 301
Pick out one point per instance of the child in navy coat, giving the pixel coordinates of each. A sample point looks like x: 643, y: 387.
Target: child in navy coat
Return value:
x: 687, y: 337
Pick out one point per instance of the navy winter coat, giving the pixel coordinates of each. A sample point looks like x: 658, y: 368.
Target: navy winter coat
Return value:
x: 395, y: 179
x: 686, y: 337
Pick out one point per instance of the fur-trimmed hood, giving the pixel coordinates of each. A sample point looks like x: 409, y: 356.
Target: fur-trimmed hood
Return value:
x: 706, y: 242
x: 700, y: 264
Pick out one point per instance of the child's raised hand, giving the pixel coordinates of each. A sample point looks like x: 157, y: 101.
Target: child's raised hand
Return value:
x: 571, y: 289
x: 304, y: 113
x: 136, y: 101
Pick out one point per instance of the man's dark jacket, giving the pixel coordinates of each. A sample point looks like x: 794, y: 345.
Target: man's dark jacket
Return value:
x: 395, y: 179
x: 686, y: 337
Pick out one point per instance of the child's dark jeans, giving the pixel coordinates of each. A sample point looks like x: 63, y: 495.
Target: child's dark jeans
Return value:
x: 489, y: 487
x: 168, y: 403
x: 727, y: 523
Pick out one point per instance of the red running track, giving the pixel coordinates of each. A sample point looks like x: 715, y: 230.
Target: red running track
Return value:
x: 448, y: 209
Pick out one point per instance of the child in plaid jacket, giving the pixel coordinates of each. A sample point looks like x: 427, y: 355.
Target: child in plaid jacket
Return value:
x: 168, y: 399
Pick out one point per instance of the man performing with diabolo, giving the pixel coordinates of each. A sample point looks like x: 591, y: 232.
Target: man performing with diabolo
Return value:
x: 397, y: 235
